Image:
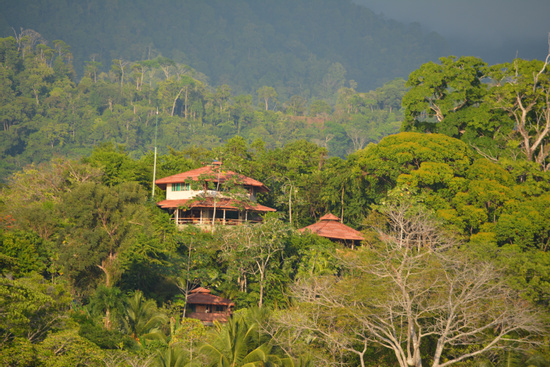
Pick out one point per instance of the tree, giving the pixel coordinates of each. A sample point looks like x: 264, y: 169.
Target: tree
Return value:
x: 142, y: 319
x: 296, y: 106
x: 171, y: 357
x: 116, y: 167
x: 402, y: 153
x: 236, y: 344
x: 101, y: 222
x: 119, y: 68
x: 266, y: 93
x: 332, y: 81
x: 391, y: 94
x: 187, y: 335
x: 174, y: 89
x: 319, y: 108
x: 92, y: 69
x: 30, y: 308
x: 255, y: 247
x: 411, y: 286
x: 24, y: 251
x: 34, y: 193
x: 438, y: 90
x: 523, y: 92
x: 109, y: 301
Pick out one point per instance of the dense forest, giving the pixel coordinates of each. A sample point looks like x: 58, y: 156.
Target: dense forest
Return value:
x: 46, y: 113
x: 455, y: 208
x: 298, y: 47
x: 446, y: 174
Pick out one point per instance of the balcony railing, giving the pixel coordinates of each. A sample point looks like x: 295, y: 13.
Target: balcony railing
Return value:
x: 221, y: 221
x: 209, y: 318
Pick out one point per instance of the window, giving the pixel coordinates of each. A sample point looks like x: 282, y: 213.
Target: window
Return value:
x: 180, y: 187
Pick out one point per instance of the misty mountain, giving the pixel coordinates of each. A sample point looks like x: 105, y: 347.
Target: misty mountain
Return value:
x: 300, y: 47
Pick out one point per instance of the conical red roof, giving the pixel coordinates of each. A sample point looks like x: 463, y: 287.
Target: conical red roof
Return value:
x: 330, y: 227
x: 329, y: 216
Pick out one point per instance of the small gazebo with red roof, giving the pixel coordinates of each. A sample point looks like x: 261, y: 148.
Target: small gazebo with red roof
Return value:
x: 329, y: 226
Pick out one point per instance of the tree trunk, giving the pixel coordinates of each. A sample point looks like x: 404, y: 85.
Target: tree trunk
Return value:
x: 175, y: 100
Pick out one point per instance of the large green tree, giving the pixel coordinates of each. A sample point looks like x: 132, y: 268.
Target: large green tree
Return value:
x: 101, y: 222
x: 522, y: 91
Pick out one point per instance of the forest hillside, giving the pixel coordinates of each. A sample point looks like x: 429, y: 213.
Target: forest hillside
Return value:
x: 302, y: 47
x: 445, y: 173
x: 46, y: 112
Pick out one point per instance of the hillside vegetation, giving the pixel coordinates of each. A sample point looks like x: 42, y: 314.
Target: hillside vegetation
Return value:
x: 454, y: 208
x: 305, y: 47
x: 82, y: 243
x: 46, y: 113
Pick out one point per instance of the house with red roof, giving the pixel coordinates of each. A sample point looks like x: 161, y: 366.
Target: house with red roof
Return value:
x: 206, y: 307
x: 329, y: 226
x: 201, y: 196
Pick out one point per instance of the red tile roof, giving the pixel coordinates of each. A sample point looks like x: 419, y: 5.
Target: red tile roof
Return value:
x: 200, y: 290
x: 210, y: 173
x: 329, y: 216
x: 329, y: 227
x: 223, y: 203
x: 203, y: 297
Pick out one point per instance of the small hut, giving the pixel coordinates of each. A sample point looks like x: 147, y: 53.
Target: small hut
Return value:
x: 329, y: 226
x: 206, y: 307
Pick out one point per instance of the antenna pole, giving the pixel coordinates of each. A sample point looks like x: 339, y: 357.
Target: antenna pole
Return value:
x: 155, y: 160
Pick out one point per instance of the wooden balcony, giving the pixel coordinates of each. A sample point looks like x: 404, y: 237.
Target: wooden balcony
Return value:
x: 208, y: 318
x: 219, y: 221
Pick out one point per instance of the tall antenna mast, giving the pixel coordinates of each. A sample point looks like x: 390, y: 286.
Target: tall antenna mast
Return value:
x: 155, y: 161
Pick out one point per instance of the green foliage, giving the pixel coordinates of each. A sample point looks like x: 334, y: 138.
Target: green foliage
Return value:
x: 247, y: 45
x: 100, y: 221
x: 438, y: 90
x: 88, y: 223
x: 25, y: 250
x: 254, y: 256
x: 103, y: 338
x: 239, y: 343
x: 33, y: 194
x: 499, y: 118
x: 171, y: 357
x: 316, y: 255
x: 115, y: 164
x: 403, y: 153
x: 142, y: 319
x: 107, y: 301
x: 166, y: 103
x: 31, y: 308
x: 59, y: 349
x: 67, y: 348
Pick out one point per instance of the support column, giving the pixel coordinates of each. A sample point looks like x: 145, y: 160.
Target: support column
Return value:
x: 177, y: 216
x: 224, y: 217
x: 201, y: 217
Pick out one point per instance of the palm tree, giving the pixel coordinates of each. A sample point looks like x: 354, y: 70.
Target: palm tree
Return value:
x: 107, y: 301
x: 142, y: 319
x: 171, y: 357
x: 235, y: 344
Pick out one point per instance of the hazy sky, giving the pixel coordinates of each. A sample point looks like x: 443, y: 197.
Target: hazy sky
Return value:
x: 491, y: 28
